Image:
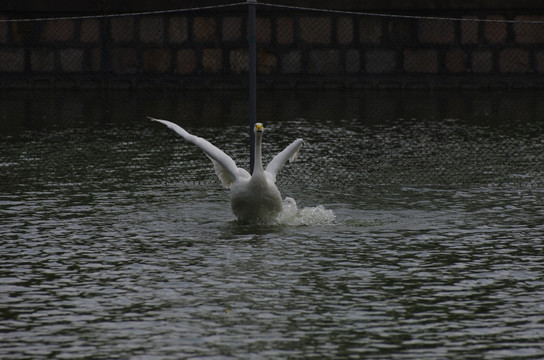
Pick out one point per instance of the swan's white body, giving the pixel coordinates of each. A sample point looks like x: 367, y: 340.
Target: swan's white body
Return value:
x: 253, y: 197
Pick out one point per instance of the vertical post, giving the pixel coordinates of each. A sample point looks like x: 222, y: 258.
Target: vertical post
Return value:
x: 252, y: 81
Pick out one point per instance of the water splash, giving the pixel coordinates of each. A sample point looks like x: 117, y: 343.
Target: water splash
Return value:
x: 291, y: 215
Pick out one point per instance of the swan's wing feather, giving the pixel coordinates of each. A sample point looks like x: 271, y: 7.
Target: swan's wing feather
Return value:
x: 224, y: 166
x: 224, y: 175
x: 289, y: 153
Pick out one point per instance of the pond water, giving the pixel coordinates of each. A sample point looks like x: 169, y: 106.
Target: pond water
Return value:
x: 116, y: 241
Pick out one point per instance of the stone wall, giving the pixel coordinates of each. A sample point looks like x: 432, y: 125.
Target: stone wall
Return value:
x: 296, y: 48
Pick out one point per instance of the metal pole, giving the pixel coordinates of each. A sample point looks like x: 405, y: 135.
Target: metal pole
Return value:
x: 252, y: 81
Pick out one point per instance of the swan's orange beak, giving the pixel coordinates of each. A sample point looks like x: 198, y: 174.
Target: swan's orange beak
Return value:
x: 258, y: 127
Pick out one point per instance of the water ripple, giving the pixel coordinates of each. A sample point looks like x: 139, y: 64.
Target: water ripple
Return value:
x: 104, y: 270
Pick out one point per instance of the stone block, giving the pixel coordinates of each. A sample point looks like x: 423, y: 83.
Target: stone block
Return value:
x: 59, y: 30
x: 267, y: 62
x: 232, y: 28
x: 158, y: 60
x: 42, y: 60
x: 204, y: 29
x: 3, y: 31
x: 12, y: 60
x: 421, y: 61
x: 324, y: 61
x: 71, y: 60
x: 291, y: 62
x: 436, y: 31
x: 514, y: 61
x: 344, y: 30
x: 239, y: 61
x: 482, y: 61
x: 315, y: 30
x: 23, y: 32
x: 186, y: 61
x: 455, y: 61
x: 540, y: 61
x: 124, y: 60
x: 529, y: 33
x: 285, y: 30
x: 495, y: 31
x: 263, y: 32
x: 178, y: 29
x: 96, y: 59
x: 403, y: 31
x: 152, y: 30
x: 370, y: 30
x: 380, y: 61
x: 469, y: 30
x: 121, y: 29
x: 353, y: 61
x: 90, y: 30
x: 212, y: 60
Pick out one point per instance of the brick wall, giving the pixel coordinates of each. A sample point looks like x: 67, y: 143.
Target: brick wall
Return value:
x: 295, y: 49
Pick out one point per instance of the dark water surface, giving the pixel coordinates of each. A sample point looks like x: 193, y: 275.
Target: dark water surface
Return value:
x: 116, y: 241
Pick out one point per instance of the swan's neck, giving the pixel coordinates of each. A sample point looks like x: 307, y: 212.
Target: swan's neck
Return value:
x: 258, y: 161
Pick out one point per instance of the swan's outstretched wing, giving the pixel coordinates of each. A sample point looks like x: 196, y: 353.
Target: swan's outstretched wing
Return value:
x: 289, y: 153
x: 224, y: 166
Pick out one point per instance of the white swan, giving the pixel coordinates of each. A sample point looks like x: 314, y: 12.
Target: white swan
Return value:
x: 253, y: 197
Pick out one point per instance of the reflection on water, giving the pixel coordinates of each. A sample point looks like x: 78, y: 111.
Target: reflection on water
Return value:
x: 114, y: 253
x: 370, y: 138
x: 23, y: 110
